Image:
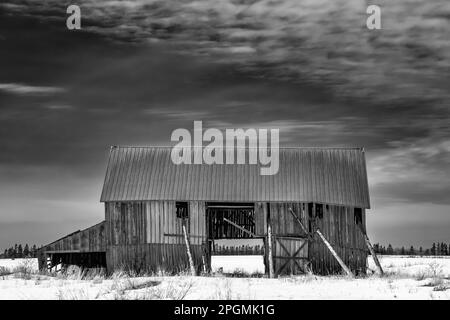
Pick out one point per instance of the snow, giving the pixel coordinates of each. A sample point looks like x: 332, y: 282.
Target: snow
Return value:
x: 251, y: 264
x: 413, y: 266
x: 10, y: 264
x: 406, y: 278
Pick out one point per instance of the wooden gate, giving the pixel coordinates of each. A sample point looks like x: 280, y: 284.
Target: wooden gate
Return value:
x: 290, y: 255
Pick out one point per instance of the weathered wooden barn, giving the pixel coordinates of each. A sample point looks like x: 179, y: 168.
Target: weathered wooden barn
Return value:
x: 227, y: 209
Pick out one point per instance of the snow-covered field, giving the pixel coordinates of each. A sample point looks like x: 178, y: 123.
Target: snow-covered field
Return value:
x: 10, y: 264
x: 407, y: 278
x: 414, y: 266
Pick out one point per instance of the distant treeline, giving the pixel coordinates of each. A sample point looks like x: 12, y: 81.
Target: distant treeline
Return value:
x: 19, y: 251
x: 437, y: 249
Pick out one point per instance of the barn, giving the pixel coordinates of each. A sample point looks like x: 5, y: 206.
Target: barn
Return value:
x: 309, y: 217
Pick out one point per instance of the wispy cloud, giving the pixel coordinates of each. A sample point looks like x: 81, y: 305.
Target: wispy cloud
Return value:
x: 177, y: 114
x: 59, y: 107
x: 412, y: 172
x: 319, y: 40
x: 23, y: 89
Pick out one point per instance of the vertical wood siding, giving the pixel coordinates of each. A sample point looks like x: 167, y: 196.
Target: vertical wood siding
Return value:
x: 153, y: 222
x: 148, y: 234
x: 337, y: 225
x: 88, y: 240
x: 261, y: 218
x: 125, y: 223
x: 197, y: 222
x: 152, y: 257
x: 339, y: 228
x: 283, y: 223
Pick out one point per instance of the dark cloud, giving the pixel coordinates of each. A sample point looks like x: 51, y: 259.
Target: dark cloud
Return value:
x: 322, y: 41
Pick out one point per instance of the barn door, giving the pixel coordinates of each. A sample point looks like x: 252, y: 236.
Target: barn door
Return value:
x: 290, y: 255
x: 289, y: 240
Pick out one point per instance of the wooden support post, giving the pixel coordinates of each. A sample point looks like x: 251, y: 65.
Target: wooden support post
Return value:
x: 372, y: 251
x: 49, y: 262
x: 269, y: 243
x: 188, y: 249
x: 204, y: 263
x: 328, y: 245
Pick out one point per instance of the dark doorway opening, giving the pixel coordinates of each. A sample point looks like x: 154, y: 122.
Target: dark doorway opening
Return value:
x: 223, y: 218
x: 84, y: 260
x: 232, y: 242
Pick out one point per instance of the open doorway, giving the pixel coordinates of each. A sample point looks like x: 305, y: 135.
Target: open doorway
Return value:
x: 233, y: 244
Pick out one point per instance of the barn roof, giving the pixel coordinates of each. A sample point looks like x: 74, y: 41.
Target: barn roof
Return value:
x: 324, y: 175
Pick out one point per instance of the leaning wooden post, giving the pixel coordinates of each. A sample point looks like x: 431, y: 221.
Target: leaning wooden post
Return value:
x: 328, y: 245
x: 240, y: 228
x: 372, y: 251
x: 188, y: 248
x: 300, y: 223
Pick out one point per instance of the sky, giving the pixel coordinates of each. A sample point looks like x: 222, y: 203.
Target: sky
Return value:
x: 139, y: 69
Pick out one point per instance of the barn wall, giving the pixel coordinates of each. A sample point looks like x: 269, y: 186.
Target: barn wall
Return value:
x: 125, y: 223
x: 89, y: 240
x: 261, y: 218
x: 163, y: 226
x: 153, y: 222
x: 152, y: 257
x: 337, y: 225
x: 339, y: 228
x: 282, y: 221
x: 148, y: 235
